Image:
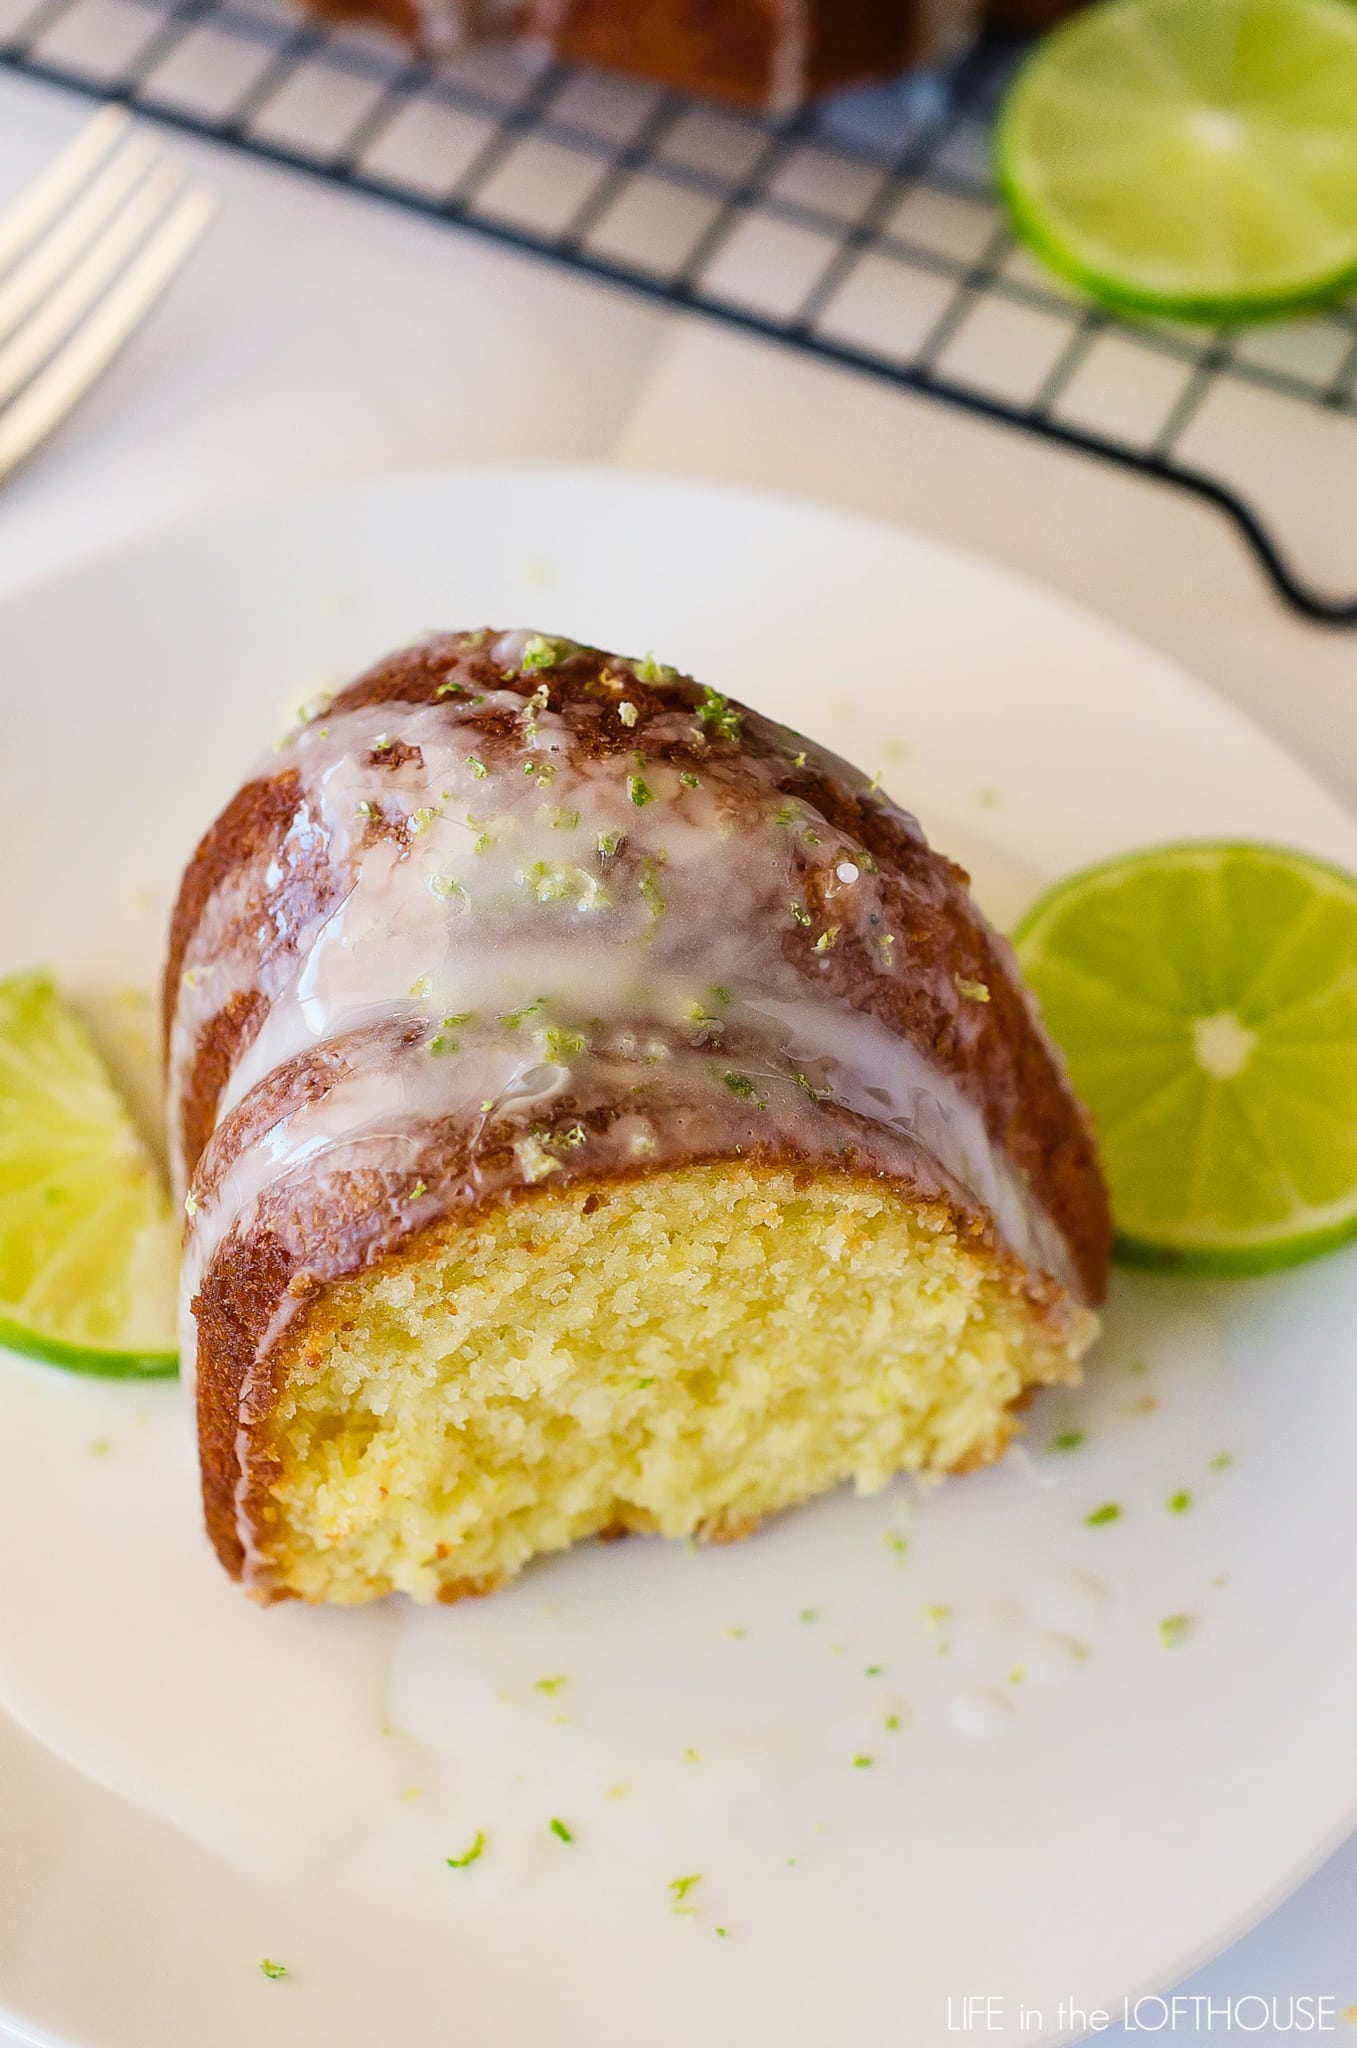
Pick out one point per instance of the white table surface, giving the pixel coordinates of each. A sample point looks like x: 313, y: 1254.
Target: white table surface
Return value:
x: 321, y: 337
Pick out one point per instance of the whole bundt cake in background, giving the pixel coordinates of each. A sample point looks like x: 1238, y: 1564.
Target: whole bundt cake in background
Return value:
x: 596, y: 1108
x: 762, y: 53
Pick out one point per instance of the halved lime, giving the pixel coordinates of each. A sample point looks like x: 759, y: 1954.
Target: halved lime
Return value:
x: 1205, y: 998
x: 89, y: 1246
x: 1194, y: 158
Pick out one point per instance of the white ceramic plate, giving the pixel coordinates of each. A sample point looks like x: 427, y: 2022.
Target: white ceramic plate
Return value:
x: 1066, y: 1809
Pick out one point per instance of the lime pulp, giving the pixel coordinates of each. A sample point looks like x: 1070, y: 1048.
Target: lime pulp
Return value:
x: 88, y: 1242
x: 1205, y: 998
x: 1190, y: 158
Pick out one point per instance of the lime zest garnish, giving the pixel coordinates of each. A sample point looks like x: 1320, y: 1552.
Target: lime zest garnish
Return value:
x: 1067, y: 1440
x: 561, y: 1045
x: 718, y: 715
x: 468, y: 1856
x: 649, y: 890
x: 539, y: 653
x: 511, y: 1019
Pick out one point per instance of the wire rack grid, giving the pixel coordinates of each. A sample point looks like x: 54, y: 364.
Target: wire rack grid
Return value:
x: 864, y: 229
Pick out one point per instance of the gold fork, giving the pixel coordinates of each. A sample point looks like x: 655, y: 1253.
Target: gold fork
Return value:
x: 85, y: 253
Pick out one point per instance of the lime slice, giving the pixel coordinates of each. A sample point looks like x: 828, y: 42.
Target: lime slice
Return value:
x: 1205, y: 998
x: 89, y: 1247
x: 1195, y: 158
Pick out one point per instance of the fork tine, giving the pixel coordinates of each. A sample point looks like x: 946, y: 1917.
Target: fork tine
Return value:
x: 48, y: 326
x: 53, y: 253
x: 31, y: 211
x: 66, y: 379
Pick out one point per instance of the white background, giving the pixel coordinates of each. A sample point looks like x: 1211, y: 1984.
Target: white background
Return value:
x: 319, y: 336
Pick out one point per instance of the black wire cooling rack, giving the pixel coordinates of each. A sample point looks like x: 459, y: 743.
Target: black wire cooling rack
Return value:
x: 864, y: 230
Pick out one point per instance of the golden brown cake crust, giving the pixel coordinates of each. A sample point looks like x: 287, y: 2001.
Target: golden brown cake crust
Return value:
x: 759, y: 53
x: 263, y: 881
x: 740, y: 49
x: 768, y: 54
x: 726, y: 49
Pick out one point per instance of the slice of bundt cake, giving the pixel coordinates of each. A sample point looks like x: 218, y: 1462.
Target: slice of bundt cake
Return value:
x: 596, y: 1108
x: 767, y: 54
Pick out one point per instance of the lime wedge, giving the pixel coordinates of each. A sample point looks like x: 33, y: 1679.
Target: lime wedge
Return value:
x: 1193, y: 158
x: 89, y: 1247
x: 1205, y: 998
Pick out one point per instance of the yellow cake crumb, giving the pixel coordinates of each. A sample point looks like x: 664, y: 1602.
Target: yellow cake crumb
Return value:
x: 686, y: 1353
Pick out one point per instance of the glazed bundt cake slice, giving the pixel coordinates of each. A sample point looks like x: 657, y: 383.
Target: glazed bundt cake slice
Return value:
x: 596, y: 1108
x: 770, y: 55
x: 762, y: 53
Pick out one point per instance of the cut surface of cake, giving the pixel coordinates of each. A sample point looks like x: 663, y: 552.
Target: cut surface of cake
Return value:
x: 596, y: 1108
